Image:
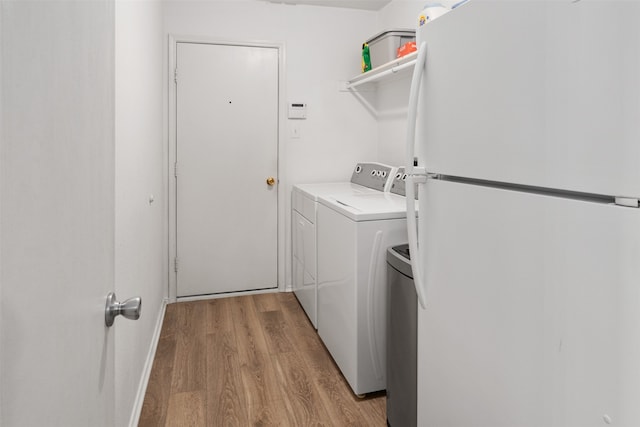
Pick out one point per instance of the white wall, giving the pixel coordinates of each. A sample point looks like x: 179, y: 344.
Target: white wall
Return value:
x: 400, y: 14
x: 322, y: 47
x: 2, y: 136
x: 141, y: 232
x: 393, y: 97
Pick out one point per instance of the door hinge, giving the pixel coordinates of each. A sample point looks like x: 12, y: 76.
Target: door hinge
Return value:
x: 628, y: 202
x: 175, y: 169
x: 175, y: 264
x: 175, y: 75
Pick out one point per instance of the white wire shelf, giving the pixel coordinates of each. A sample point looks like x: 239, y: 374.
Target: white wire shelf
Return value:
x: 384, y: 71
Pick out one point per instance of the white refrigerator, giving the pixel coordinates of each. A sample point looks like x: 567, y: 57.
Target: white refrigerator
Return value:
x: 527, y: 256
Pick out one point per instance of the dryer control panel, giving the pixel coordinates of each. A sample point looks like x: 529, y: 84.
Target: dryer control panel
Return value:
x: 373, y: 175
x: 399, y: 180
x: 399, y: 183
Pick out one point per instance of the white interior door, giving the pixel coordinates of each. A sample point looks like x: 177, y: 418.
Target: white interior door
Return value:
x: 227, y: 145
x: 57, y: 207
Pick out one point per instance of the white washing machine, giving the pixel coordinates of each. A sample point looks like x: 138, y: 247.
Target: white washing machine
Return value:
x: 354, y: 233
x: 367, y: 178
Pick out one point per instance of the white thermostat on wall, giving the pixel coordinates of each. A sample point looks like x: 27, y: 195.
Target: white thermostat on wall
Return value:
x: 297, y: 111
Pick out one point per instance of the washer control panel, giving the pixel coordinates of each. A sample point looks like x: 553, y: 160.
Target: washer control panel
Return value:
x: 373, y: 175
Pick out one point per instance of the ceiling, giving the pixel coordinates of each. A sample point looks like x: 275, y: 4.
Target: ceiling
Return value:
x: 351, y: 4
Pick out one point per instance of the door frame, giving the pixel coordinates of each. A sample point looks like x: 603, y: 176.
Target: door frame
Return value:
x: 172, y: 146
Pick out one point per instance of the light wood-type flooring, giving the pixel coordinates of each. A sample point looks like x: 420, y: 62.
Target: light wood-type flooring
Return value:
x: 249, y: 360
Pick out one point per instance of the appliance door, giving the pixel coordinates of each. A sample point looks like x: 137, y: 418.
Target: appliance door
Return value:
x: 337, y: 291
x: 533, y: 310
x: 304, y: 265
x: 534, y: 93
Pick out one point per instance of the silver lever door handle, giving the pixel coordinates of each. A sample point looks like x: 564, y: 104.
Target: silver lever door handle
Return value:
x: 129, y: 308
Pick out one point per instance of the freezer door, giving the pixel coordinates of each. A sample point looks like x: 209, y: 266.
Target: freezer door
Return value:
x: 533, y: 310
x: 541, y: 93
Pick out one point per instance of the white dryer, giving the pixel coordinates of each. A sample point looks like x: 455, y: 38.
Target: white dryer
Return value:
x: 367, y: 178
x: 354, y: 233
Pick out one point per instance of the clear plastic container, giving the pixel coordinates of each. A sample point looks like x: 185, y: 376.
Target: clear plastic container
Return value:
x: 383, y: 47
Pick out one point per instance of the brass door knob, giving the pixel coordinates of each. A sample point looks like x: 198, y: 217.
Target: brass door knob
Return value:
x: 271, y: 181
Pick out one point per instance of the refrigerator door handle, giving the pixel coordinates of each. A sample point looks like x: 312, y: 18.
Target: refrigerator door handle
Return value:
x: 415, y: 174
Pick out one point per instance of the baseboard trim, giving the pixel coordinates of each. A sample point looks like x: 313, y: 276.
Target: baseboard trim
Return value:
x: 148, y: 364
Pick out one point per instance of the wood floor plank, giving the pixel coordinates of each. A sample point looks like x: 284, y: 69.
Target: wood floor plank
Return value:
x: 249, y: 360
x: 374, y: 408
x: 170, y: 319
x: 219, y: 315
x: 266, y: 302
x: 260, y: 382
x: 186, y: 410
x: 258, y: 375
x: 276, y: 332
x: 154, y: 408
x: 306, y: 405
x: 226, y: 396
x: 248, y: 330
x: 189, y: 367
x: 276, y: 414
